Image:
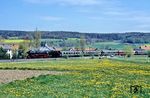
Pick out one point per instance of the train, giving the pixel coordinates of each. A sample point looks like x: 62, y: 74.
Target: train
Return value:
x: 50, y: 52
x: 77, y: 53
x: 57, y: 54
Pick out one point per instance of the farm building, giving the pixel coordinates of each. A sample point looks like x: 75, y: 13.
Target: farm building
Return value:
x: 140, y: 51
x: 9, y: 48
x: 145, y: 47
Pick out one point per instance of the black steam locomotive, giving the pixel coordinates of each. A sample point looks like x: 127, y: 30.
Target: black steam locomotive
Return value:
x: 43, y: 54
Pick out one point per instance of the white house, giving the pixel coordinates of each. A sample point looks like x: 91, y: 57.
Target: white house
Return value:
x: 10, y: 53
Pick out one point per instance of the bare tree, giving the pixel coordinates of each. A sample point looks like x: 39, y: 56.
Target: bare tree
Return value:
x: 128, y: 51
x: 82, y: 44
x: 23, y: 48
x: 77, y: 46
x: 148, y: 52
x: 37, y: 38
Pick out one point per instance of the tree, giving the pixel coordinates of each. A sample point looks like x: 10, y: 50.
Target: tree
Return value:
x: 37, y: 39
x: 1, y: 39
x: 82, y: 44
x: 77, y: 46
x: 148, y: 53
x: 3, y: 54
x: 23, y: 48
x: 128, y: 51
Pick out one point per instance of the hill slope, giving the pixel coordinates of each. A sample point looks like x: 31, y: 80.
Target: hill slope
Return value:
x: 133, y: 37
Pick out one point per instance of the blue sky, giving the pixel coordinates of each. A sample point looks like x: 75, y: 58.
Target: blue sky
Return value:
x: 76, y: 15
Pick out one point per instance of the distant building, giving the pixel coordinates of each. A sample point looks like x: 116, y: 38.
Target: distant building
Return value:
x: 140, y: 51
x: 145, y: 47
x: 10, y: 53
x: 9, y: 48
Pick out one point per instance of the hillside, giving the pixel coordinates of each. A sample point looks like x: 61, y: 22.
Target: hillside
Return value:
x: 133, y: 37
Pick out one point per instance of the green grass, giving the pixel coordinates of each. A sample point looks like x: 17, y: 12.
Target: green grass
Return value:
x: 13, y: 41
x: 147, y: 44
x: 100, y: 45
x: 84, y: 78
x: 60, y: 64
x: 51, y: 40
x: 113, y: 45
x: 135, y: 59
x: 73, y: 39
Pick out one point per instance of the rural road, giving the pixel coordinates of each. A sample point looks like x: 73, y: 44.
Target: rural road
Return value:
x: 7, y: 76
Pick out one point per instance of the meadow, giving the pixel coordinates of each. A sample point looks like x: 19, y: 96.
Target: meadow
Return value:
x: 9, y: 41
x: 103, y: 45
x: 70, y: 42
x: 99, y: 45
x: 86, y: 78
x: 134, y: 59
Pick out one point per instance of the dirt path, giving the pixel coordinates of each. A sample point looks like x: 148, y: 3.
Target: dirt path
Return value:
x: 7, y: 76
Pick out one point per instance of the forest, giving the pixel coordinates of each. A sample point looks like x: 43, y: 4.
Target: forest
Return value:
x: 127, y: 37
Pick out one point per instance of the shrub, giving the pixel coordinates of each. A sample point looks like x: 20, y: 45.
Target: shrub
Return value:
x: 148, y: 53
x: 128, y: 51
x: 3, y: 54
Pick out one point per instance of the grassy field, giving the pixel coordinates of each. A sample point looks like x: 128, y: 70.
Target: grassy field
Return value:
x: 112, y: 45
x: 135, y: 59
x: 75, y: 42
x: 83, y: 78
x: 9, y: 41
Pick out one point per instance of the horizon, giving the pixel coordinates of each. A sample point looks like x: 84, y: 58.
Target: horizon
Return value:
x: 93, y: 16
x: 73, y: 31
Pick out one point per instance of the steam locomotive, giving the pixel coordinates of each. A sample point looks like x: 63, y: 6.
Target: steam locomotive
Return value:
x: 43, y: 54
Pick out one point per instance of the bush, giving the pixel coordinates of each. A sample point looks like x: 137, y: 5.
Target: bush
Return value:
x: 128, y: 51
x: 66, y: 56
x: 148, y: 53
x: 3, y: 54
x: 128, y: 55
x: 92, y: 56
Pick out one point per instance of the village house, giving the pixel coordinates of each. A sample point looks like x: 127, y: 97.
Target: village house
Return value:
x: 145, y: 47
x: 9, y: 48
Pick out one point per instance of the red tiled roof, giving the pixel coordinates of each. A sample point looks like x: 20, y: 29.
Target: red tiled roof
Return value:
x: 145, y: 47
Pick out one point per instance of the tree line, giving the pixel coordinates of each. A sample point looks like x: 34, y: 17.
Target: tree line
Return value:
x: 132, y: 37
